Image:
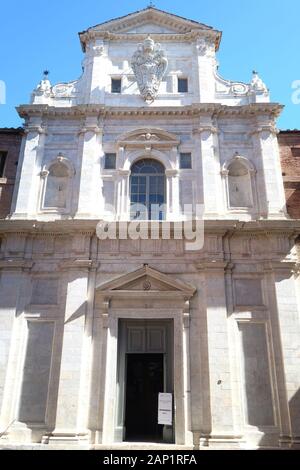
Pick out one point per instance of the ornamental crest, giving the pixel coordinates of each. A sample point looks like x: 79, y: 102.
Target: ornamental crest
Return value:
x: 149, y: 65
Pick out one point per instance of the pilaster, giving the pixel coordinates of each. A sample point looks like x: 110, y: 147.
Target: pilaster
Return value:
x: 90, y: 153
x: 25, y: 198
x: 70, y: 424
x: 218, y: 398
x: 270, y: 183
x: 207, y: 136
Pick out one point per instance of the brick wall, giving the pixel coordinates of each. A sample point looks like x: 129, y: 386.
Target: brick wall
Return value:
x: 10, y: 142
x: 289, y: 143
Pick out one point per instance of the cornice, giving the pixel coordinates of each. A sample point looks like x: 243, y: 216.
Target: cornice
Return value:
x: 35, y: 129
x: 91, y: 129
x: 221, y: 227
x: 16, y: 264
x: 190, y: 36
x: 85, y: 264
x: 119, y: 27
x: 271, y: 129
x: 194, y: 110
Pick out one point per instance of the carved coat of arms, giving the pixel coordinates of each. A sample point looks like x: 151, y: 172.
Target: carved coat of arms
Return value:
x: 149, y: 65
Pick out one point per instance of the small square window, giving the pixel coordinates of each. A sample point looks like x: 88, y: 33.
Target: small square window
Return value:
x: 182, y: 85
x: 110, y: 161
x: 116, y: 85
x: 3, y: 156
x: 185, y: 161
x: 296, y: 152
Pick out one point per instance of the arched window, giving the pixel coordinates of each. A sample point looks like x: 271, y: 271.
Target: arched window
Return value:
x: 57, y: 185
x: 239, y: 174
x: 147, y: 190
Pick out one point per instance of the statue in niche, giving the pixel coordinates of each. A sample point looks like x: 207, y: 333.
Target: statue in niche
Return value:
x: 149, y: 65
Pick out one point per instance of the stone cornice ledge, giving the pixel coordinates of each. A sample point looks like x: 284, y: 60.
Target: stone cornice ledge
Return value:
x: 79, y: 264
x: 16, y: 264
x: 88, y: 226
x: 212, y: 109
x: 188, y: 36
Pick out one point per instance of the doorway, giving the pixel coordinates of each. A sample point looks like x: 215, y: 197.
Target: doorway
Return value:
x: 144, y: 369
x: 144, y: 381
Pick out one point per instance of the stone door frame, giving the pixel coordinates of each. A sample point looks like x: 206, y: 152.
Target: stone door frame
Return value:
x: 106, y: 344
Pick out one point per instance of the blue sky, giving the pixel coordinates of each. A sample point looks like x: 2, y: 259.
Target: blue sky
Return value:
x: 257, y: 34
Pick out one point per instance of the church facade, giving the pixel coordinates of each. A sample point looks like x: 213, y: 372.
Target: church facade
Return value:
x: 98, y: 314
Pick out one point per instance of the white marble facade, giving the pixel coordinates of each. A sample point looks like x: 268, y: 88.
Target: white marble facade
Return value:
x: 233, y: 307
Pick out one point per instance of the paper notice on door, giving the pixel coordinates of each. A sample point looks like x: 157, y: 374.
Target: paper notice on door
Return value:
x: 165, y: 408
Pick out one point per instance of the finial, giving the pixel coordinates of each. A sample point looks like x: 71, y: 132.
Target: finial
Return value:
x: 254, y: 72
x: 46, y: 73
x: 151, y: 4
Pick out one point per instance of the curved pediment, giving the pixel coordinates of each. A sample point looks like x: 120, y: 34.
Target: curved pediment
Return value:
x: 149, y: 136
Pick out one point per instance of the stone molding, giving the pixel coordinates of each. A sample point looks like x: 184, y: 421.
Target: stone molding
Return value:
x: 33, y: 129
x: 210, y: 109
x: 210, y: 129
x: 271, y: 129
x: 221, y: 227
x: 114, y: 288
x: 148, y: 137
x: 93, y: 129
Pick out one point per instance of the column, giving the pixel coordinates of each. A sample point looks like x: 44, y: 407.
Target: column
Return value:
x: 86, y: 407
x: 198, y: 353
x: 179, y: 382
x: 219, y: 394
x: 97, y: 395
x: 90, y: 153
x: 109, y: 415
x: 206, y: 64
x: 211, y: 171
x: 270, y: 187
x: 289, y: 331
x: 172, y: 192
x: 123, y: 195
x: 25, y: 198
x: 14, y: 294
x: 72, y: 365
x: 10, y: 283
x: 97, y: 64
x: 187, y: 373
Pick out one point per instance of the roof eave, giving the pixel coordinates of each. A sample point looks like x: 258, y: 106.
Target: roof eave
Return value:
x: 110, y: 23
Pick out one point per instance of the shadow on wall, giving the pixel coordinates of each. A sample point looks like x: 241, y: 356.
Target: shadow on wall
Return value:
x: 295, y: 418
x: 292, y: 441
x: 293, y: 202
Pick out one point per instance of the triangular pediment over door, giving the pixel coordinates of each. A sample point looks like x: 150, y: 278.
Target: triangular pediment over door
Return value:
x: 146, y: 282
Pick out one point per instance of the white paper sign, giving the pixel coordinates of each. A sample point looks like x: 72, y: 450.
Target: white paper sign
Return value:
x: 165, y: 408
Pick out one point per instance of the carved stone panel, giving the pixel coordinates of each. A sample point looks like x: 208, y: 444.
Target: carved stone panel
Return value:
x: 149, y: 65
